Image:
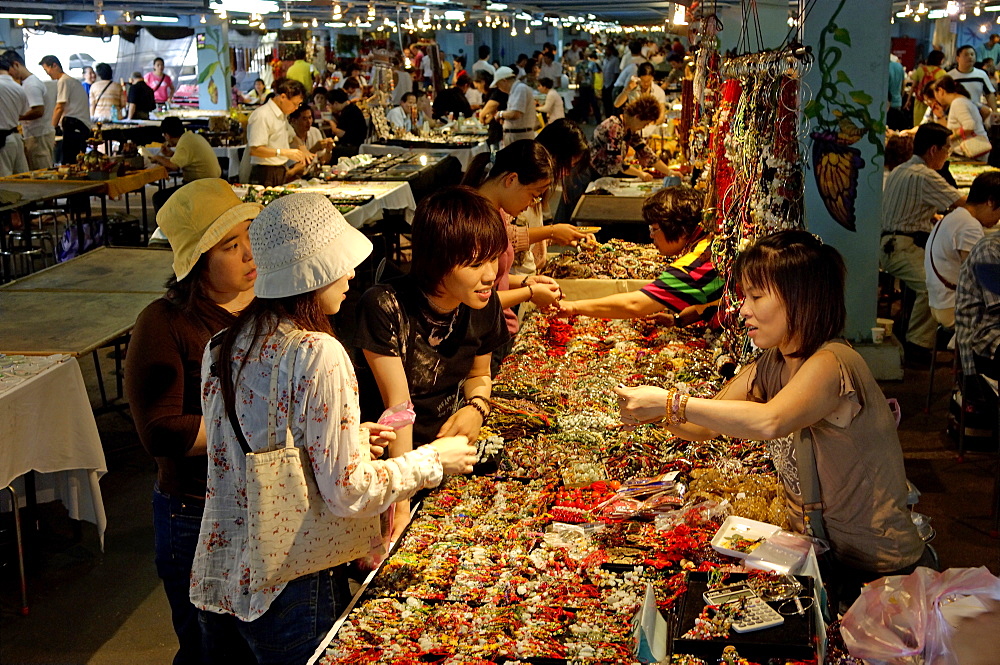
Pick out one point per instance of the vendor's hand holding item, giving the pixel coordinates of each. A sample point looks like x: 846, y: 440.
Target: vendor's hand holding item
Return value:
x: 642, y: 404
x: 300, y: 155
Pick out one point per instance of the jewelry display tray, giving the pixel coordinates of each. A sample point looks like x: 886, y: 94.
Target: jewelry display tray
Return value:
x: 796, y: 638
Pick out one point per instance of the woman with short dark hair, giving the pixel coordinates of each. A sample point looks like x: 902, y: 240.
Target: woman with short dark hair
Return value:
x: 810, y: 396
x: 107, y: 99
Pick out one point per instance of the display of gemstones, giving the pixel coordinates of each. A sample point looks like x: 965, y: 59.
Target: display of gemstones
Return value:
x: 550, y: 557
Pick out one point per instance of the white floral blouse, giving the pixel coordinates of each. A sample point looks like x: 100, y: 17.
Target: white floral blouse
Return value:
x: 325, y: 421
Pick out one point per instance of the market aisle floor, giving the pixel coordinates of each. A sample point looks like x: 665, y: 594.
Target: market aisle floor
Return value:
x: 109, y: 609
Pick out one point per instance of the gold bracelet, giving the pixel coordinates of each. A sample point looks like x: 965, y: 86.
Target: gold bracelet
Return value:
x: 682, y: 410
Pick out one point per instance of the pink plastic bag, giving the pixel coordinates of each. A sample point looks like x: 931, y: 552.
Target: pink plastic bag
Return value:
x: 898, y: 619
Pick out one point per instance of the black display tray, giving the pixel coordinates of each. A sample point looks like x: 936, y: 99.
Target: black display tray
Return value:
x: 796, y: 638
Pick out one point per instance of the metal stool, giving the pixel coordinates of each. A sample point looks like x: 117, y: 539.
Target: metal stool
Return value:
x: 947, y: 333
x: 15, y: 240
x: 25, y: 256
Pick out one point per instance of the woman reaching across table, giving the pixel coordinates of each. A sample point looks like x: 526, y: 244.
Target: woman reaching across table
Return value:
x: 428, y: 337
x: 808, y: 395
x: 306, y: 253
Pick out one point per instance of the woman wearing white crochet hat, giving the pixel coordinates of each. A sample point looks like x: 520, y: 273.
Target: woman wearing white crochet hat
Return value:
x: 306, y: 253
x: 207, y: 226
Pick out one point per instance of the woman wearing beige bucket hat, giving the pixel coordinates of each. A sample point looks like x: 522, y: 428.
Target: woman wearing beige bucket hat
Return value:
x: 206, y: 224
x: 278, y: 381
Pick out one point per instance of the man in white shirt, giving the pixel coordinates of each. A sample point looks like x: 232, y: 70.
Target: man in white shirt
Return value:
x: 483, y: 64
x: 13, y: 105
x: 629, y: 70
x: 974, y: 80
x: 953, y: 238
x: 519, y: 118
x: 550, y: 69
x: 72, y: 110
x: 404, y: 116
x: 269, y: 135
x: 36, y: 125
x: 553, y: 108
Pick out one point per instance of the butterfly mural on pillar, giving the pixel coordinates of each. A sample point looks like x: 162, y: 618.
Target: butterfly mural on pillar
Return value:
x: 842, y: 119
x: 836, y: 166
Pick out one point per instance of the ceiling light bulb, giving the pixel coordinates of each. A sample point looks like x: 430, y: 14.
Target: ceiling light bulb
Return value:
x: 513, y: 32
x: 315, y: 22
x: 916, y: 18
x: 982, y: 28
x: 961, y: 17
x: 222, y: 14
x: 101, y: 20
x: 20, y: 21
x: 202, y: 19
x: 976, y: 10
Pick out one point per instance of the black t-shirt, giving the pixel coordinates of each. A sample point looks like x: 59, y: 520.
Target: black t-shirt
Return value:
x: 352, y: 121
x: 454, y: 101
x: 495, y: 128
x: 437, y: 350
x: 141, y: 95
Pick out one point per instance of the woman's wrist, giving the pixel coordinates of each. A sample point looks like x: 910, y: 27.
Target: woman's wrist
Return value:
x: 531, y: 291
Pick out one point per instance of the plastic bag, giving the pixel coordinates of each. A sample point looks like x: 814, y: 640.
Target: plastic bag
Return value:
x: 899, y: 619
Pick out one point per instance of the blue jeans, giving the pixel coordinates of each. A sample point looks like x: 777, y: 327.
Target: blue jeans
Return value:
x: 289, y: 631
x: 175, y: 526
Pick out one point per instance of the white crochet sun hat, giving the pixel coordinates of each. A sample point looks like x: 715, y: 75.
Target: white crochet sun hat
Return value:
x: 302, y: 243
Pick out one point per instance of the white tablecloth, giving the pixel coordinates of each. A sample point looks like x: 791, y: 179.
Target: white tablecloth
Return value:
x: 387, y: 196
x: 47, y: 426
x: 464, y: 155
x: 233, y: 153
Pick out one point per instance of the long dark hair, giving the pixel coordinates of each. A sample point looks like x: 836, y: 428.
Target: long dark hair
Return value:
x: 262, y: 317
x: 951, y: 86
x: 184, y: 292
x: 808, y: 277
x: 526, y: 158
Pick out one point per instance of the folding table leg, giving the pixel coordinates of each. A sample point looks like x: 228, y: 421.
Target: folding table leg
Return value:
x: 100, y: 379
x: 20, y: 549
x: 145, y: 216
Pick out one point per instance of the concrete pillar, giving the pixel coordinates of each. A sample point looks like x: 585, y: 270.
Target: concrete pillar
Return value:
x: 845, y: 99
x: 212, y: 43
x: 11, y: 35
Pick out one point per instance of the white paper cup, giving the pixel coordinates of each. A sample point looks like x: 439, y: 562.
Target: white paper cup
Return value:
x: 878, y: 335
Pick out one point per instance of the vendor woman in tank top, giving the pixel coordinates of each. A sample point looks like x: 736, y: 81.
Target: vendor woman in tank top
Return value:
x: 808, y: 384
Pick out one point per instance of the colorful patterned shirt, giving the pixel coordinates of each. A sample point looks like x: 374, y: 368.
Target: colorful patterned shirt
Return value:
x: 611, y: 143
x: 690, y: 281
x: 323, y: 416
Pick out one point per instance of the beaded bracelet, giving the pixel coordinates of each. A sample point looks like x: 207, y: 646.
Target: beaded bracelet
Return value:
x: 482, y: 412
x: 486, y: 403
x: 531, y: 293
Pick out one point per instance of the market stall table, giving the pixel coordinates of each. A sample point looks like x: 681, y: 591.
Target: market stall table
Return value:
x: 423, y: 170
x: 115, y: 187
x: 31, y: 193
x: 619, y: 216
x: 82, y: 305
x: 50, y: 439
x: 463, y: 152
x: 104, y: 270
x: 385, y: 196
